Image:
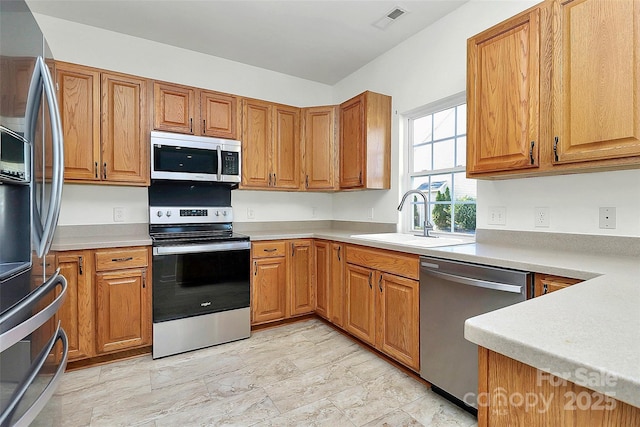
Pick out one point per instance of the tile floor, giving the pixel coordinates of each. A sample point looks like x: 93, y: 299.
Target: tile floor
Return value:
x: 300, y: 374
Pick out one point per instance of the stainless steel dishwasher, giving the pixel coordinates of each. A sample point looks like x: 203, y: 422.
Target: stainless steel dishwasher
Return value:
x: 450, y: 293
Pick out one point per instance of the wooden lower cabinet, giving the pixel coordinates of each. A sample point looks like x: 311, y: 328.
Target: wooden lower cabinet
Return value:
x: 337, y: 291
x: 268, y: 293
x: 545, y: 283
x: 300, y: 282
x: 77, y: 314
x: 514, y: 394
x: 383, y: 308
x: 322, y: 254
x: 122, y: 311
x: 108, y: 303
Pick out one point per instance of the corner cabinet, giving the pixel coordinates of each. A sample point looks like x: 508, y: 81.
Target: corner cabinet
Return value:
x: 104, y: 125
x: 555, y: 90
x: 194, y: 111
x: 270, y: 146
x: 382, y: 301
x: 503, y: 96
x: 365, y: 142
x: 321, y: 154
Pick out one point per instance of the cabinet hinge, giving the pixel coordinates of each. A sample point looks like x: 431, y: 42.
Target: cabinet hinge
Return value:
x: 555, y: 149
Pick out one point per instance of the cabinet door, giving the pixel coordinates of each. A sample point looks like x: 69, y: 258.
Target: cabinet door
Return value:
x: 122, y: 310
x: 79, y: 102
x: 544, y: 284
x: 352, y: 128
x: 503, y: 96
x: 174, y: 108
x: 77, y: 314
x: 218, y: 114
x: 398, y: 317
x: 322, y: 256
x: 286, y: 147
x: 301, y: 278
x: 256, y: 144
x: 321, y: 155
x: 268, y: 301
x: 337, y: 285
x: 360, y: 320
x: 124, y: 133
x: 596, y: 79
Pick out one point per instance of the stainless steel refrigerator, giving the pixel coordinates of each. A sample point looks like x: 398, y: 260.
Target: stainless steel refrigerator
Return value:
x: 33, y: 347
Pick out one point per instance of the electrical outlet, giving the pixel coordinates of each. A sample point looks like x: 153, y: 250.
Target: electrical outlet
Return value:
x: 608, y: 218
x: 541, y: 217
x: 250, y: 213
x: 497, y: 215
x: 118, y: 214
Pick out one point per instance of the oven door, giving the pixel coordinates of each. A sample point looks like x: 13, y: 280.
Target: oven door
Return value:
x: 195, y: 279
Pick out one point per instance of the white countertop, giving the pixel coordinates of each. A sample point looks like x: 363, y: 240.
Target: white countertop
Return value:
x: 588, y: 333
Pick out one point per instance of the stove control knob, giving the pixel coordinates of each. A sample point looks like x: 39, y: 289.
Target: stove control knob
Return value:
x: 159, y: 213
x: 217, y: 213
x: 224, y: 213
x: 168, y: 213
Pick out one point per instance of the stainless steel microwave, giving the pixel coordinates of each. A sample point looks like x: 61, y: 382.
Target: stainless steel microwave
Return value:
x: 194, y: 158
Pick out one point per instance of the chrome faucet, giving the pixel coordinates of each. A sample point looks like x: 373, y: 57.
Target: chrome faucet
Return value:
x: 427, y: 226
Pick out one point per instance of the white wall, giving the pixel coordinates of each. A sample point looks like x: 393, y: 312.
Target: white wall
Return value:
x: 82, y: 44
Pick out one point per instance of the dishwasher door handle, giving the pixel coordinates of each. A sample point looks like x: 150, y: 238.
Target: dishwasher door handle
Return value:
x: 516, y: 289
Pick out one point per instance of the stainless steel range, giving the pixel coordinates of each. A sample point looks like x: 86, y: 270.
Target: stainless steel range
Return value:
x: 201, y: 270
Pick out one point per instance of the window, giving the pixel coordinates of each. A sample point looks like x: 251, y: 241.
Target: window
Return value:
x: 437, y: 144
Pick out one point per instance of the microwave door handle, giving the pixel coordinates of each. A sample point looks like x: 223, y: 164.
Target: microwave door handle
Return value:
x: 219, y: 150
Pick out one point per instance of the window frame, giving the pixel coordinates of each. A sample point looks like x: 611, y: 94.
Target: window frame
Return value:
x: 425, y: 110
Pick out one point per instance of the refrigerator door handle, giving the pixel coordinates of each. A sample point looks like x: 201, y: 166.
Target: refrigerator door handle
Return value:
x: 13, y: 329
x: 45, y: 395
x: 41, y: 80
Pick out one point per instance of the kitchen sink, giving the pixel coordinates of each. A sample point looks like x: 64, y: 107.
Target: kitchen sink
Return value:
x: 412, y: 240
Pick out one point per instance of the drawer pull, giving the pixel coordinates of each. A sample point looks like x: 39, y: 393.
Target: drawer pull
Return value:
x: 129, y: 258
x: 270, y: 250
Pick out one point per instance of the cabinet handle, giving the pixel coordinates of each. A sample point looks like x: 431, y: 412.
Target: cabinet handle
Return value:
x: 104, y: 169
x: 80, y: 265
x: 545, y: 289
x: 339, y: 247
x: 255, y: 268
x: 380, y: 283
x: 144, y: 279
x: 555, y: 149
x: 533, y: 143
x: 370, y: 277
x: 360, y: 177
x: 270, y: 250
x: 204, y: 126
x: 191, y: 125
x: 306, y: 182
x: 96, y: 170
x: 293, y: 249
x: 122, y: 259
x: 275, y: 181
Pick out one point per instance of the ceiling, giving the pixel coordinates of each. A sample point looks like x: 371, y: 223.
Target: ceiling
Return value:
x: 322, y: 41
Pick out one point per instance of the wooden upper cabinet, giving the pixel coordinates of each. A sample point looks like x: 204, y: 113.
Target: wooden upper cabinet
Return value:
x: 174, y: 108
x: 365, y: 142
x: 503, y: 96
x: 256, y: 144
x: 286, y: 147
x: 124, y: 129
x: 79, y: 103
x: 321, y: 159
x: 270, y: 145
x: 596, y: 80
x: 218, y: 113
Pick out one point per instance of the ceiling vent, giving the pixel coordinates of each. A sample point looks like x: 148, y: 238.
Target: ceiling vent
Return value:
x: 389, y: 17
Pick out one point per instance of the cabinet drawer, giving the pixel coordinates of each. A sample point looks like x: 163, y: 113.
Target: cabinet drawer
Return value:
x: 269, y: 249
x: 388, y: 261
x: 117, y: 259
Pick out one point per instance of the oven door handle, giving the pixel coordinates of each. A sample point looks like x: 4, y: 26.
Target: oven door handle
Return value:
x: 209, y: 247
